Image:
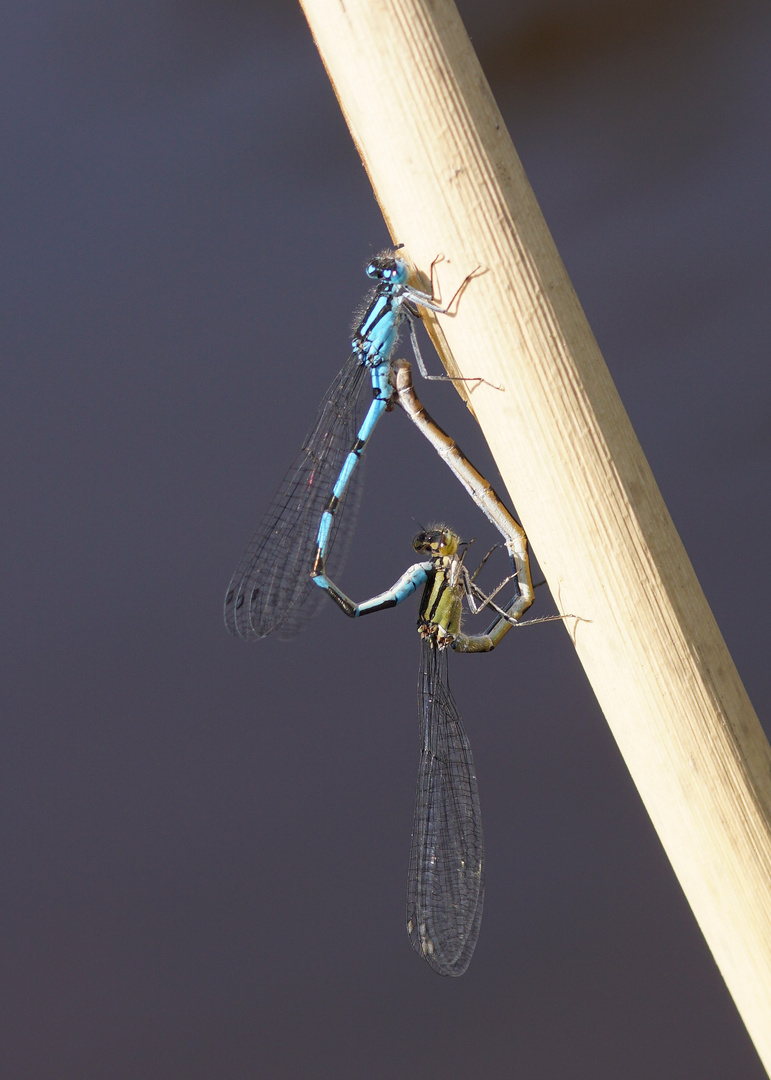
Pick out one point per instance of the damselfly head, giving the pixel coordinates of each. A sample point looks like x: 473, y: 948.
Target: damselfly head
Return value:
x: 437, y: 541
x: 388, y: 267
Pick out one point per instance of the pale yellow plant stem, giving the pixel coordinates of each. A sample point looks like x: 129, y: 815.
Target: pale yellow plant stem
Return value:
x: 449, y: 181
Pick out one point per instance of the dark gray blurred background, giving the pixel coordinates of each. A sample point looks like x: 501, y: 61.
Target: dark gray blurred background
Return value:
x: 204, y: 843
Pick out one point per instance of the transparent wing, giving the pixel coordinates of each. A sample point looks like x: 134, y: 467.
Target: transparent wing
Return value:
x: 300, y: 613
x: 445, y: 885
x: 271, y: 586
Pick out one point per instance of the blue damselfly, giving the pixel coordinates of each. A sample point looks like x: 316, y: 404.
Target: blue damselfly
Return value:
x: 270, y: 588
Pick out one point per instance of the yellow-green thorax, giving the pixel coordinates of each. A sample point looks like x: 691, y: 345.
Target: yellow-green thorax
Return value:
x: 440, y: 608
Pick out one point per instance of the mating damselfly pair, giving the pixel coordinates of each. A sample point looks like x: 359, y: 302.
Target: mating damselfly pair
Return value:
x: 282, y: 576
